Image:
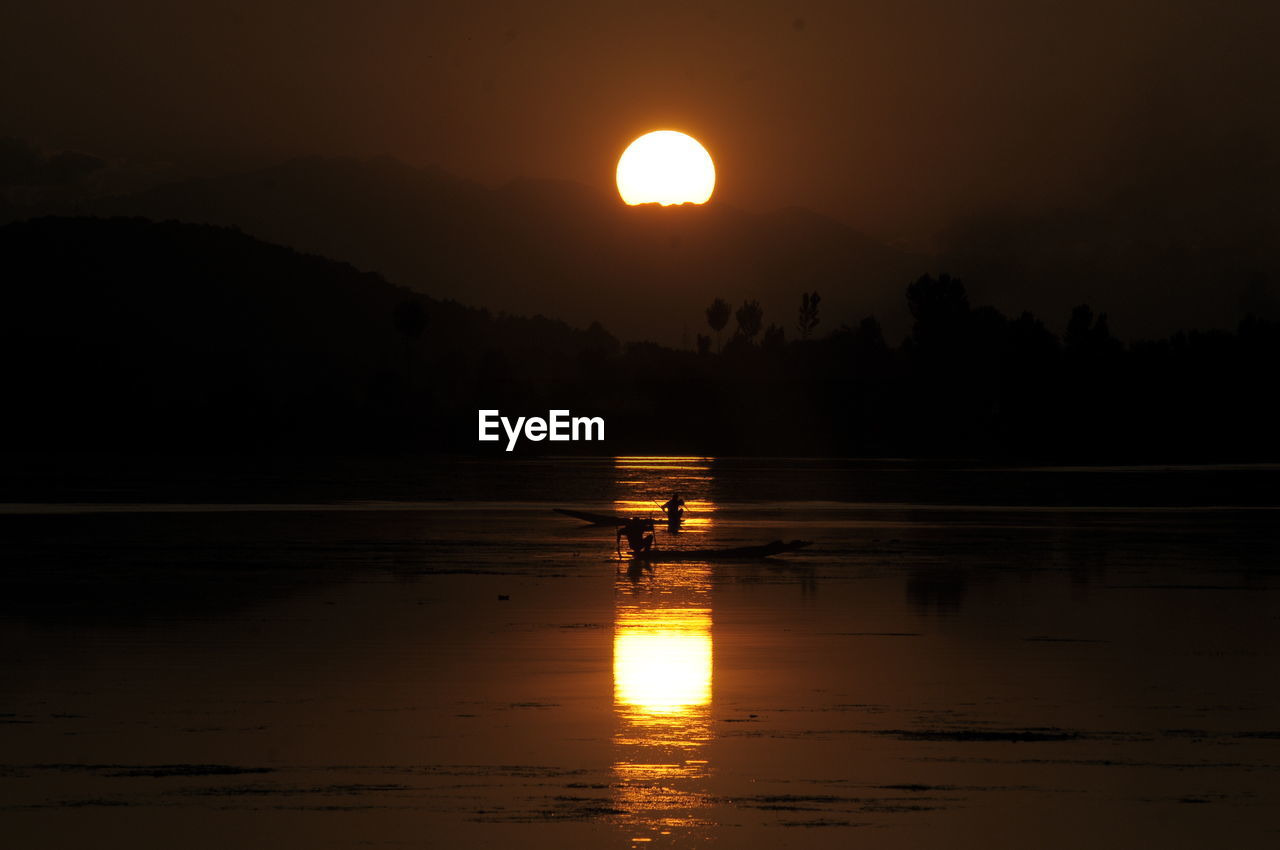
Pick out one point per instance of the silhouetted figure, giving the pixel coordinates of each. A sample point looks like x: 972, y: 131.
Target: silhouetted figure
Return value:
x: 639, y: 534
x: 674, y: 509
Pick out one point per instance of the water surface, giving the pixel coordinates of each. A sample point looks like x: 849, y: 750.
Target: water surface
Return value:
x: 967, y: 656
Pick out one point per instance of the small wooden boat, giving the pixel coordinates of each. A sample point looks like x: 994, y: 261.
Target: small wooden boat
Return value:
x: 594, y: 519
x: 768, y: 550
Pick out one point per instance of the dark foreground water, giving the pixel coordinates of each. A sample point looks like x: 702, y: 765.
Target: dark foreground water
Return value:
x: 965, y: 658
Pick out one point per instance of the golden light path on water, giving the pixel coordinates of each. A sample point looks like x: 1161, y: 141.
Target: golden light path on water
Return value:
x: 646, y: 483
x: 663, y: 663
x: 663, y: 660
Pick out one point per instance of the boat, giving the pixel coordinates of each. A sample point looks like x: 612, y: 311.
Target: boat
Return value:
x: 594, y: 519
x: 768, y: 550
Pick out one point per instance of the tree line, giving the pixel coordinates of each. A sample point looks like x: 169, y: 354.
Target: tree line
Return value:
x: 970, y: 381
x: 127, y: 336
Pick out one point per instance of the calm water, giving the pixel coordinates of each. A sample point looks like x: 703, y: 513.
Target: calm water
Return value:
x: 966, y: 657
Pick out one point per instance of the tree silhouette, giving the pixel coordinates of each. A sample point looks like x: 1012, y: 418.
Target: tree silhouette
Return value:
x: 868, y: 339
x: 808, y: 313
x: 1078, y: 326
x: 936, y: 303
x: 941, y: 334
x: 718, y: 317
x: 1085, y: 331
x: 750, y: 317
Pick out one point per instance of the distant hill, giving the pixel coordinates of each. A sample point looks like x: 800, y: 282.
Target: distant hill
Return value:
x: 127, y: 334
x: 549, y: 247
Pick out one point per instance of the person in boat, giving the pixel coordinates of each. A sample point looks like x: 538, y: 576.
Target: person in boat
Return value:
x: 674, y: 509
x: 639, y: 534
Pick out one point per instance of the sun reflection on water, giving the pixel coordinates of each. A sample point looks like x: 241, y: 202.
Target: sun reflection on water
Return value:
x: 662, y: 674
x: 663, y: 659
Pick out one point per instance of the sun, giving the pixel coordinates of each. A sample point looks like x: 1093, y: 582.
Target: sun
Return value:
x: 666, y: 167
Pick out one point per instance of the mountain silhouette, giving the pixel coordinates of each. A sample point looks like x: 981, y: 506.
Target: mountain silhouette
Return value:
x: 546, y: 247
x: 124, y: 334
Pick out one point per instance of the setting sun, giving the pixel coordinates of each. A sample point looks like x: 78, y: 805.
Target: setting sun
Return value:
x: 666, y: 167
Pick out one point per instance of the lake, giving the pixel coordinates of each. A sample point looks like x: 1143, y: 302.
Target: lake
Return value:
x: 425, y: 655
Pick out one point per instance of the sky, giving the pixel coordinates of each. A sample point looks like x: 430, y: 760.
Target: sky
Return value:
x: 898, y: 117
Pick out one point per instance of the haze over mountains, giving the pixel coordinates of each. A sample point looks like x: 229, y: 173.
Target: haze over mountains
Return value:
x: 572, y: 252
x: 551, y: 247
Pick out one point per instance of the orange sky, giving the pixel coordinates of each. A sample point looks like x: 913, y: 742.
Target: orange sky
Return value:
x: 899, y: 117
